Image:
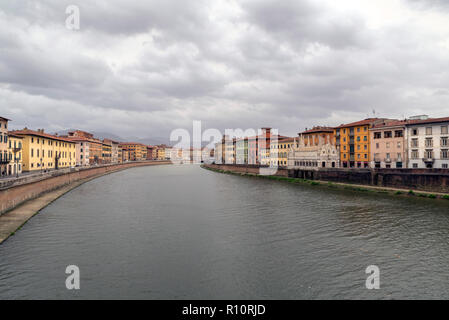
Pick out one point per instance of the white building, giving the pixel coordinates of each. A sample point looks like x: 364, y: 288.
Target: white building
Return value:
x: 319, y: 154
x: 428, y: 142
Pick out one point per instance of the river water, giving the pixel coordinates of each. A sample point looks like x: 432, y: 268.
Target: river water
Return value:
x: 182, y: 232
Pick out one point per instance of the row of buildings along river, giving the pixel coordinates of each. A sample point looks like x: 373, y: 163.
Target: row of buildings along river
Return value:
x: 28, y: 150
x: 418, y: 142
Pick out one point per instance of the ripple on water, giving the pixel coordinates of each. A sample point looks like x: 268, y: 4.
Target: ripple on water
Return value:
x: 184, y: 232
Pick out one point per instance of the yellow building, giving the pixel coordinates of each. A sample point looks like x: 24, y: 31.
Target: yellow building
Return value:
x: 106, y: 154
x: 42, y: 151
x: 279, y: 148
x: 160, y: 152
x: 15, y: 154
x: 120, y: 154
x: 353, y: 142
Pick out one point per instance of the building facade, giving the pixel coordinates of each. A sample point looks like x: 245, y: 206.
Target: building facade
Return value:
x: 136, y: 151
x: 92, y: 149
x: 428, y: 143
x: 353, y: 143
x: 241, y: 151
x: 389, y: 145
x: 314, y: 149
x: 106, y: 152
x: 4, y: 156
x: 42, y: 151
x: 82, y: 151
x: 15, y: 143
x: 279, y: 150
x: 150, y: 152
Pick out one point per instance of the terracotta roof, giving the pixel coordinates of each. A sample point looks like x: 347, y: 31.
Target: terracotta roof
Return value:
x: 82, y: 139
x: 410, y: 122
x: 132, y: 143
x: 10, y: 134
x: 27, y: 132
x: 5, y: 119
x: 360, y: 123
x: 319, y: 129
x: 396, y: 123
x: 430, y: 120
x: 287, y: 139
x: 110, y: 141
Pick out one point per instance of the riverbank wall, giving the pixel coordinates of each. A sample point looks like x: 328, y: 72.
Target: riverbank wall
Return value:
x: 14, y: 192
x: 426, y: 180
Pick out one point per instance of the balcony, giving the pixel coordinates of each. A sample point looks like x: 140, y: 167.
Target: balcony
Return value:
x: 428, y: 160
x: 4, y: 161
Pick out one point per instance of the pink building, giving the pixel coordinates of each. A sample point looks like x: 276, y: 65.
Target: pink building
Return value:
x: 388, y: 145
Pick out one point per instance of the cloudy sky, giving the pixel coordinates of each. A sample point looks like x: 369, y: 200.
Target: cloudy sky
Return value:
x: 142, y: 68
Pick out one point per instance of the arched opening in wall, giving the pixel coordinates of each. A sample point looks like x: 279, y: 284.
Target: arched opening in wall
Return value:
x: 323, y: 164
x: 333, y: 164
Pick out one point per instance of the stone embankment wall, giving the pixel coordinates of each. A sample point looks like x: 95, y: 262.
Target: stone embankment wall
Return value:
x: 430, y: 180
x: 251, y: 169
x: 13, y: 192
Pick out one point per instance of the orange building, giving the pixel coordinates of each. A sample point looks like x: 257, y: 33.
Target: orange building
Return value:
x: 353, y: 142
x: 318, y: 136
x: 136, y: 151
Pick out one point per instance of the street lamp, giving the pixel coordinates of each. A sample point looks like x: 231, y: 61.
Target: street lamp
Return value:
x: 16, y: 159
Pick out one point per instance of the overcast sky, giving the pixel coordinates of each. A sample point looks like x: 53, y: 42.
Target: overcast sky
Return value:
x: 142, y: 68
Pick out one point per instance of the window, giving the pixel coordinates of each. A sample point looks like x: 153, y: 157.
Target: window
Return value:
x: 414, y: 143
x: 444, y: 142
x: 377, y: 145
x: 377, y: 135
x: 387, y: 134
x: 415, y: 166
x: 444, y: 154
x: 358, y: 129
x: 32, y: 152
x: 388, y: 156
x: 429, y: 142
x: 444, y: 166
x: 398, y: 134
x: 444, y: 130
x: 399, y: 145
x: 415, y: 154
x: 428, y: 131
x: 388, y: 145
x: 429, y: 154
x: 415, y: 132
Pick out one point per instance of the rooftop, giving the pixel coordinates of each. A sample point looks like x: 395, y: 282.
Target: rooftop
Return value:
x: 39, y: 133
x: 367, y: 121
x: 318, y: 129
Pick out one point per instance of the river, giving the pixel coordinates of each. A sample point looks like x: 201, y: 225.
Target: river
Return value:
x: 183, y: 232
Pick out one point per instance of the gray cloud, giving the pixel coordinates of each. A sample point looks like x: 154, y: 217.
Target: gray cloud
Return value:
x: 143, y: 68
